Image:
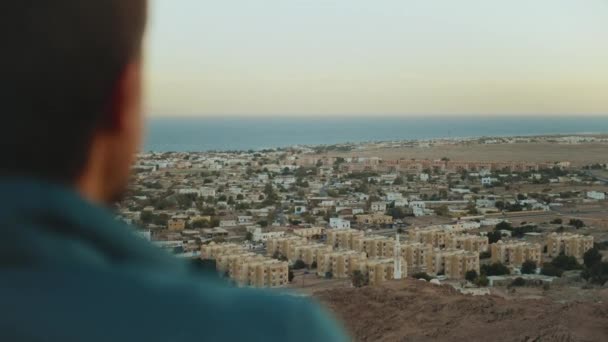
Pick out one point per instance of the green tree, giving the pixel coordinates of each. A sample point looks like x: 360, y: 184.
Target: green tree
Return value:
x: 249, y: 236
x: 577, y: 223
x: 504, y: 225
x: 495, y: 269
x: 550, y: 270
x: 518, y: 282
x: 494, y: 236
x: 597, y: 274
x: 482, y: 281
x: 422, y: 275
x: 566, y: 263
x: 358, y: 279
x: 471, y: 275
x: 290, y: 276
x: 299, y: 264
x: 592, y: 257
x: 528, y: 267
x: 443, y: 211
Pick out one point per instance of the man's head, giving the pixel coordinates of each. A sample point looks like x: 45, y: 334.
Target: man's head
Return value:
x: 70, y: 75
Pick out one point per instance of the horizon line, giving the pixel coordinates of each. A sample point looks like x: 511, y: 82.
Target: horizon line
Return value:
x: 377, y: 116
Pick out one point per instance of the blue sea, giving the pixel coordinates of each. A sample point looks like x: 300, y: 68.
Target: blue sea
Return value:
x: 204, y: 134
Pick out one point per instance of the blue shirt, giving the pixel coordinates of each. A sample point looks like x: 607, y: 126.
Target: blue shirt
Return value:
x: 70, y: 272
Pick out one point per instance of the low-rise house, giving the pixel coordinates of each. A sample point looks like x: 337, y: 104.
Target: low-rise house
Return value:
x: 260, y: 236
x: 309, y: 233
x: 596, y: 195
x: 375, y: 219
x: 378, y: 206
x: 216, y: 232
x: 228, y: 223
x: 176, y: 224
x: 244, y: 220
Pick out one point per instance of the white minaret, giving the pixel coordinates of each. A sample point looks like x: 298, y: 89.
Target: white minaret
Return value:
x: 397, y: 262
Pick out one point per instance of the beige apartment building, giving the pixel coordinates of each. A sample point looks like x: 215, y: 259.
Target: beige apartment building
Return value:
x: 309, y: 253
x: 231, y: 263
x: 570, y: 244
x: 309, y: 233
x: 247, y: 268
x: 454, y: 263
x: 283, y: 245
x: 378, y: 271
x: 374, y: 246
x: 263, y: 273
x: 515, y: 253
x: 418, y: 256
x: 343, y: 238
x: 438, y: 237
x: 471, y: 243
x: 340, y: 263
x: 212, y: 250
x: 375, y: 218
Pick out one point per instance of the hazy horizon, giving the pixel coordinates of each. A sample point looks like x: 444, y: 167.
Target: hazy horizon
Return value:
x: 397, y: 57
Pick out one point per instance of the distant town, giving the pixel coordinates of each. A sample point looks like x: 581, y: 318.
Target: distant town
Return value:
x: 322, y: 217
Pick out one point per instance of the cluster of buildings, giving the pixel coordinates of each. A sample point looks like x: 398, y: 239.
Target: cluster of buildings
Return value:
x: 339, y: 214
x: 437, y: 250
x: 514, y: 253
x: 245, y: 267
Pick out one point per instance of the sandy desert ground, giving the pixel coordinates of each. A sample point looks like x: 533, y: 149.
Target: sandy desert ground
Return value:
x: 414, y: 310
x: 581, y: 154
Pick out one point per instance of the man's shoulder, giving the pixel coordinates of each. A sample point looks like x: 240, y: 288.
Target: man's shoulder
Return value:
x: 117, y: 305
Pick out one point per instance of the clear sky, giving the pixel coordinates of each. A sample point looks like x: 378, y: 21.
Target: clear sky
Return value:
x: 369, y: 57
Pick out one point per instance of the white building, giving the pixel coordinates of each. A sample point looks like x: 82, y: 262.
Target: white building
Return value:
x: 357, y: 211
x: 228, y: 223
x: 285, y: 180
x: 188, y: 191
x: 245, y: 219
x: 378, y: 206
x: 485, y: 203
x: 596, y: 195
x: 488, y: 180
x: 338, y: 223
x: 206, y: 192
x: 394, y: 196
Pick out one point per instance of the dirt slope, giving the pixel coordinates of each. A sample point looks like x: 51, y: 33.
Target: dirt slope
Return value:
x: 418, y: 311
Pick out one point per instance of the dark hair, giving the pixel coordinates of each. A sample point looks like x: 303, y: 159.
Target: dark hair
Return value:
x: 59, y: 64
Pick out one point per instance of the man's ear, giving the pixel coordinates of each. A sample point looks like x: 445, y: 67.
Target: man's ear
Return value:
x: 125, y: 100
